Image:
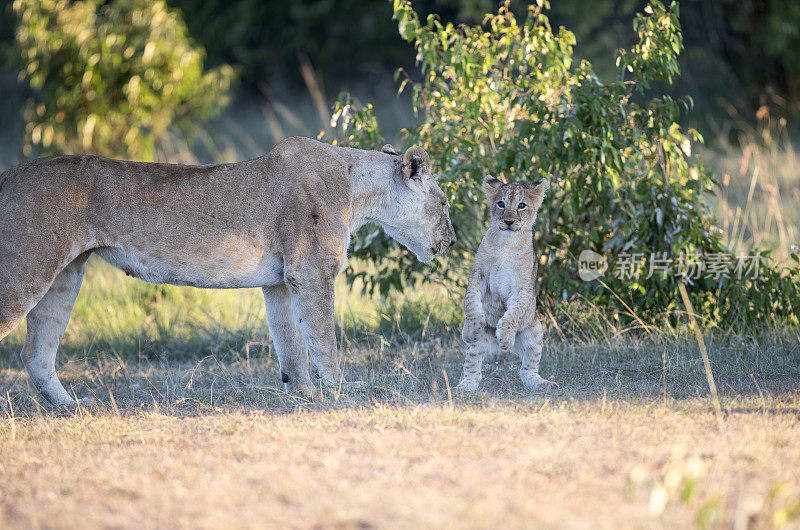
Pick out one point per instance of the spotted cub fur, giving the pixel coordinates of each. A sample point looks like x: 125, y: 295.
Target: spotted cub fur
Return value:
x: 500, y: 303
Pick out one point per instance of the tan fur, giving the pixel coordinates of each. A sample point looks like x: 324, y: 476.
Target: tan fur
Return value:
x: 500, y: 303
x: 281, y: 222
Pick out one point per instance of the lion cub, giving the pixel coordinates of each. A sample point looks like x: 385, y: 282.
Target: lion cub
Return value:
x: 500, y: 304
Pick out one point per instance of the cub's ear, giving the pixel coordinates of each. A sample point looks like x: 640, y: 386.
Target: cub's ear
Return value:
x: 416, y: 163
x: 536, y: 191
x: 389, y: 150
x: 491, y: 186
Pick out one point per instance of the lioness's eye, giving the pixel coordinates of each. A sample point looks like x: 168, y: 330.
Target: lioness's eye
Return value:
x: 522, y: 206
x: 501, y: 205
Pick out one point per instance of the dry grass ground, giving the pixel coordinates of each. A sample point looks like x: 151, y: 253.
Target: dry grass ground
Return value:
x: 492, y: 465
x: 215, y: 443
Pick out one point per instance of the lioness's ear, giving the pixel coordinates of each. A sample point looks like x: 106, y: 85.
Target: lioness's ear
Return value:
x: 536, y: 191
x: 389, y: 150
x: 416, y: 163
x: 491, y: 186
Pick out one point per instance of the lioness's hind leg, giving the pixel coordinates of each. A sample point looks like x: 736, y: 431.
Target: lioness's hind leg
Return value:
x: 528, y: 346
x: 288, y: 341
x: 47, y: 322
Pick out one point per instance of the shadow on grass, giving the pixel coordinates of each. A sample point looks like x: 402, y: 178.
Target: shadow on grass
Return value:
x: 753, y: 376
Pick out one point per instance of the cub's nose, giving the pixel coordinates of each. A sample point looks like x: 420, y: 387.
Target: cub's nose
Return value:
x: 508, y: 222
x: 453, y: 241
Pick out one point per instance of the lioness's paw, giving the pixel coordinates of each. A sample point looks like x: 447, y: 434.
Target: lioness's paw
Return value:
x: 307, y: 391
x: 89, y: 403
x: 505, y: 337
x: 345, y: 386
x: 73, y: 407
x: 468, y: 386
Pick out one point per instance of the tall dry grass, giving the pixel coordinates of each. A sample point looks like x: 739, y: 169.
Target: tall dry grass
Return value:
x: 758, y: 202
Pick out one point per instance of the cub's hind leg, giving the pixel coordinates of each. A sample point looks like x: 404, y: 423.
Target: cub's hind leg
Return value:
x: 528, y: 346
x: 473, y: 359
x: 47, y: 322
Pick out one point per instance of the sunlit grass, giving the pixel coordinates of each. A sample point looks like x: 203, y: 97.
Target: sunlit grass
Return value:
x: 542, y: 463
x: 757, y: 203
x: 123, y: 316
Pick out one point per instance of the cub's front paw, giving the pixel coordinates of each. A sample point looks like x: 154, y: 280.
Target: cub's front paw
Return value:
x: 505, y: 337
x: 472, y: 330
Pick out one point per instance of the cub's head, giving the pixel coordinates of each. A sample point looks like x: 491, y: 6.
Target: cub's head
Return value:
x: 419, y: 216
x: 514, y: 205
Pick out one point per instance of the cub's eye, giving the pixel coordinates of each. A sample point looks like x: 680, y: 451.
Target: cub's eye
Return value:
x: 522, y: 206
x: 501, y: 205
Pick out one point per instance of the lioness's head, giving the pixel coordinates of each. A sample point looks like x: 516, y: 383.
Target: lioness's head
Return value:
x: 514, y: 205
x: 420, y: 217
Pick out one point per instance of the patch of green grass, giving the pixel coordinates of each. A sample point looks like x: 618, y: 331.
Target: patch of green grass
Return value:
x: 218, y: 362
x: 124, y: 317
x: 121, y: 316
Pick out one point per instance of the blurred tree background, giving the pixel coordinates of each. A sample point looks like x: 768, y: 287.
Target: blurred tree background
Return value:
x: 739, y: 57
x: 111, y: 78
x: 742, y: 51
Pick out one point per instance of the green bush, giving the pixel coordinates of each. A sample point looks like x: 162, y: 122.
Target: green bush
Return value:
x: 110, y: 77
x: 507, y: 99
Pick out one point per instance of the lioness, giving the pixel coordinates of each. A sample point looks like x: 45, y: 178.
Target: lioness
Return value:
x: 281, y: 222
x: 500, y: 303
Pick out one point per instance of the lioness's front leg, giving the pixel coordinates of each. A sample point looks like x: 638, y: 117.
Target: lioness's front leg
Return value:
x: 288, y: 341
x: 312, y: 302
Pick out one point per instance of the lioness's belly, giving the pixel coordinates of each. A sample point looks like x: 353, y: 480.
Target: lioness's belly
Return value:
x: 207, y: 268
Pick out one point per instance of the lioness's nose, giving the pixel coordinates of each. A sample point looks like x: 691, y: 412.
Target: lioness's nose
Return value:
x: 509, y: 222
